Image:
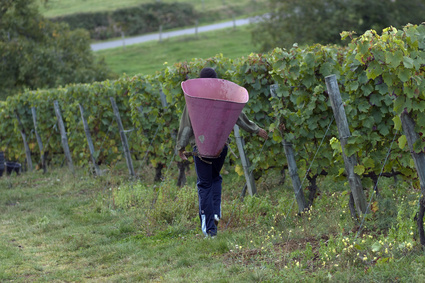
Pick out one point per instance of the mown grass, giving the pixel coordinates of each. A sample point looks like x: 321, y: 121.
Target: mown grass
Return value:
x: 59, y: 227
x: 54, y: 8
x: 150, y: 57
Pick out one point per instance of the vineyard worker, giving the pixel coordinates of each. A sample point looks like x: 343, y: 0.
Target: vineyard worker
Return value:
x: 208, y: 169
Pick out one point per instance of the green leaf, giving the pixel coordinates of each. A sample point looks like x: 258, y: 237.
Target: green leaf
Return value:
x: 308, y: 80
x: 363, y: 106
x: 376, y: 247
x: 357, y: 246
x: 368, y: 162
x: 374, y: 71
x: 394, y: 59
x: 397, y: 123
x: 350, y: 149
x: 362, y: 78
x: 402, y: 141
x: 326, y: 69
x: 408, y: 62
x: 363, y: 48
x: 382, y: 89
x: 359, y: 169
x: 367, y: 89
x: 309, y: 60
x: 404, y: 75
x: 420, y: 120
x: 369, y: 122
x: 388, y: 78
x: 277, y: 137
x: 375, y: 99
x: 383, y: 129
x: 399, y: 104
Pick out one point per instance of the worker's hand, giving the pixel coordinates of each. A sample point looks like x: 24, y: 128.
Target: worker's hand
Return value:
x: 262, y: 133
x: 181, y: 154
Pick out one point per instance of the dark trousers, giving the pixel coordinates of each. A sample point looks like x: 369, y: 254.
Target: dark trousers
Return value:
x: 209, y: 191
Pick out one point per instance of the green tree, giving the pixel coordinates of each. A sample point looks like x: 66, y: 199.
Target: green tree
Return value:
x: 322, y: 21
x: 36, y: 53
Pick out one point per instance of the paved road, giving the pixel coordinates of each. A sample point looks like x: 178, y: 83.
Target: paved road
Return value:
x: 164, y: 35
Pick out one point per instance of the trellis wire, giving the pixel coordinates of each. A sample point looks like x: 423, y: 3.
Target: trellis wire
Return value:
x: 305, y: 176
x: 147, y: 150
x: 311, y: 164
x: 252, y: 167
x: 109, y: 129
x: 376, y: 185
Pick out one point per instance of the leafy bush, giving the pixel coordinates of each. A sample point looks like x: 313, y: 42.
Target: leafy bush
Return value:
x: 37, y: 53
x: 141, y: 19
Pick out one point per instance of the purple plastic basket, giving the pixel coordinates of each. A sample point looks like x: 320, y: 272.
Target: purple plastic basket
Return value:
x: 214, y: 106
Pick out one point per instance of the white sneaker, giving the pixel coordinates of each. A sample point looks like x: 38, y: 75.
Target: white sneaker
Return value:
x: 216, y: 219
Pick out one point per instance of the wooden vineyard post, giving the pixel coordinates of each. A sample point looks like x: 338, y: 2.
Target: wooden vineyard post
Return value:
x: 160, y: 33
x: 163, y: 98
x: 293, y: 172
x: 39, y: 142
x: 419, y: 158
x: 250, y: 182
x: 24, y: 138
x: 344, y: 134
x: 292, y: 167
x: 64, y: 138
x: 123, y: 40
x: 89, y: 141
x: 126, y: 148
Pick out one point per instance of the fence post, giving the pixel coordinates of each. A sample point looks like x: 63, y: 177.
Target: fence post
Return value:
x: 123, y: 40
x: 124, y: 141
x: 24, y: 138
x: 64, y: 138
x: 250, y: 182
x: 419, y: 158
x: 40, y: 143
x: 160, y: 33
x: 344, y: 134
x: 163, y: 98
x: 89, y: 141
x: 292, y: 166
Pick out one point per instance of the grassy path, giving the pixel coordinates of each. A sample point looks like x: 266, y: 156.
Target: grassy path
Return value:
x: 58, y: 230
x: 61, y: 228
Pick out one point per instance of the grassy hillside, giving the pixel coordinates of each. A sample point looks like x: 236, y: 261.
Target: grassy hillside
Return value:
x: 59, y: 228
x: 55, y: 8
x: 150, y: 57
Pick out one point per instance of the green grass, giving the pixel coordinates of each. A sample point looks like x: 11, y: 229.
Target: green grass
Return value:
x: 56, y: 8
x: 147, y: 58
x: 60, y: 228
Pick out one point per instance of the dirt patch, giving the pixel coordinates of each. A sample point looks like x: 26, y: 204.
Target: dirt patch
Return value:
x: 279, y: 255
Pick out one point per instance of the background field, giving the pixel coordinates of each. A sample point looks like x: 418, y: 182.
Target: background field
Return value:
x: 147, y: 58
x: 64, y: 7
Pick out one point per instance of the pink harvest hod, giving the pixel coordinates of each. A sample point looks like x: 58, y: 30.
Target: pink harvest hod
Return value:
x: 214, y: 106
